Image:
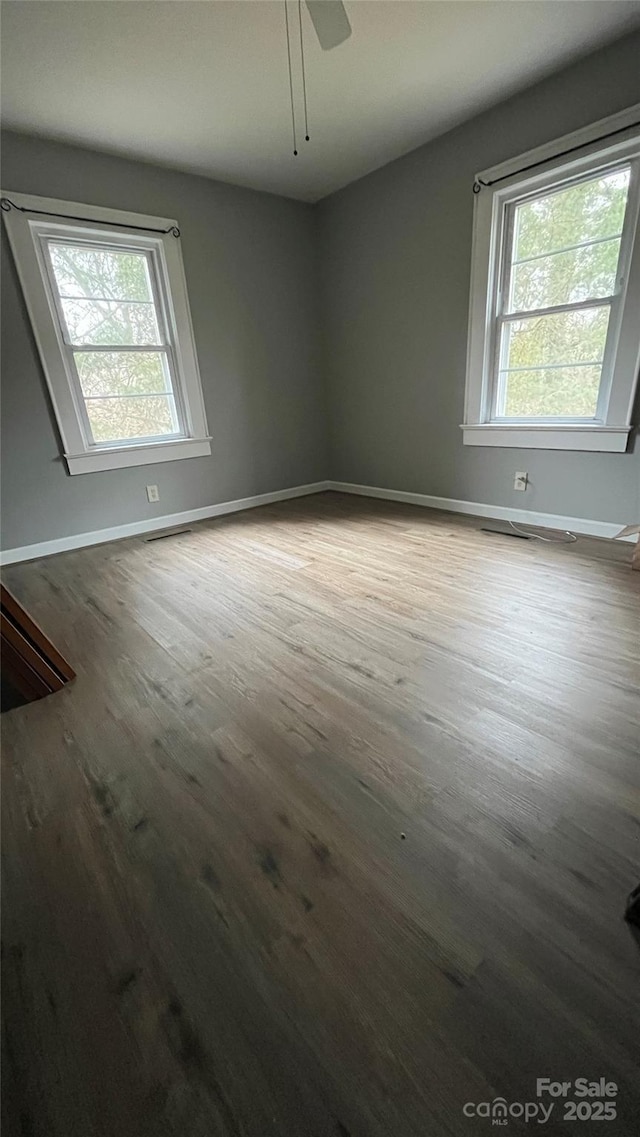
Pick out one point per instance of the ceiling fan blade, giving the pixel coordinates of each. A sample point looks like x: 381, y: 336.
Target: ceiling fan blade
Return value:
x: 330, y: 21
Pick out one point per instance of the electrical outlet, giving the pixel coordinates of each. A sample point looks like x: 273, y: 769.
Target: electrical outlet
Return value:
x: 521, y: 480
x: 152, y: 493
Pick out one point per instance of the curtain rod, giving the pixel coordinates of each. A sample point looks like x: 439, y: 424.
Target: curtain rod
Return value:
x: 479, y: 184
x: 6, y: 204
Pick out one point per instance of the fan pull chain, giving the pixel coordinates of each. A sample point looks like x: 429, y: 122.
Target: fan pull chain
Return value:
x: 293, y: 113
x: 304, y: 76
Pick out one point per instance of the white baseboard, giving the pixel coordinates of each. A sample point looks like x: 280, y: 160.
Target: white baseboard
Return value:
x: 152, y: 524
x: 499, y: 512
x: 452, y: 505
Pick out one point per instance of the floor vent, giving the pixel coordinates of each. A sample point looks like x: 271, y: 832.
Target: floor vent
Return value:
x: 167, y: 532
x: 507, y: 533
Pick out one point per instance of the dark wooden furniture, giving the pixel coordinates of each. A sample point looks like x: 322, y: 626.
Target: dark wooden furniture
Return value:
x: 30, y: 662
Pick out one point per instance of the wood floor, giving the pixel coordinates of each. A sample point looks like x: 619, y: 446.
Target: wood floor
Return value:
x: 331, y: 835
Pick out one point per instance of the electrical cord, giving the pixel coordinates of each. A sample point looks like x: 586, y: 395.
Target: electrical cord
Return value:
x: 293, y: 113
x: 304, y: 74
x: 568, y: 538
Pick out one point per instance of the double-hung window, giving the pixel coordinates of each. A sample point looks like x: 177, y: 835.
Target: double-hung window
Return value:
x: 107, y: 298
x: 554, y: 333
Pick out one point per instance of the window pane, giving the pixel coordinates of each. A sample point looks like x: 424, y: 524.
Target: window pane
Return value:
x: 99, y: 273
x: 538, y: 363
x: 587, y: 211
x: 568, y: 391
x: 565, y: 278
x: 111, y: 322
x: 559, y: 338
x: 122, y: 373
x: 120, y: 418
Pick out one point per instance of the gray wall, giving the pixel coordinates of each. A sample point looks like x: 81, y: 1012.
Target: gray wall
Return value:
x: 396, y: 250
x: 252, y: 280
x: 353, y: 311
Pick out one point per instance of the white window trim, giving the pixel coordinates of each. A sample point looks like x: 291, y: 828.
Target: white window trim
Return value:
x: 610, y: 433
x: 24, y: 230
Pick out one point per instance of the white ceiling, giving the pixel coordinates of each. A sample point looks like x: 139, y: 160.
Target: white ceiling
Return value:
x: 204, y: 86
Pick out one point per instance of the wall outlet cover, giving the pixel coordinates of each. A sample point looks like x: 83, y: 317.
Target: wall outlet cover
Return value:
x: 152, y: 493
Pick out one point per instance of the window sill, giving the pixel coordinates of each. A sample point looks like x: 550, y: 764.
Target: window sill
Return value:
x: 612, y: 439
x: 117, y: 457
